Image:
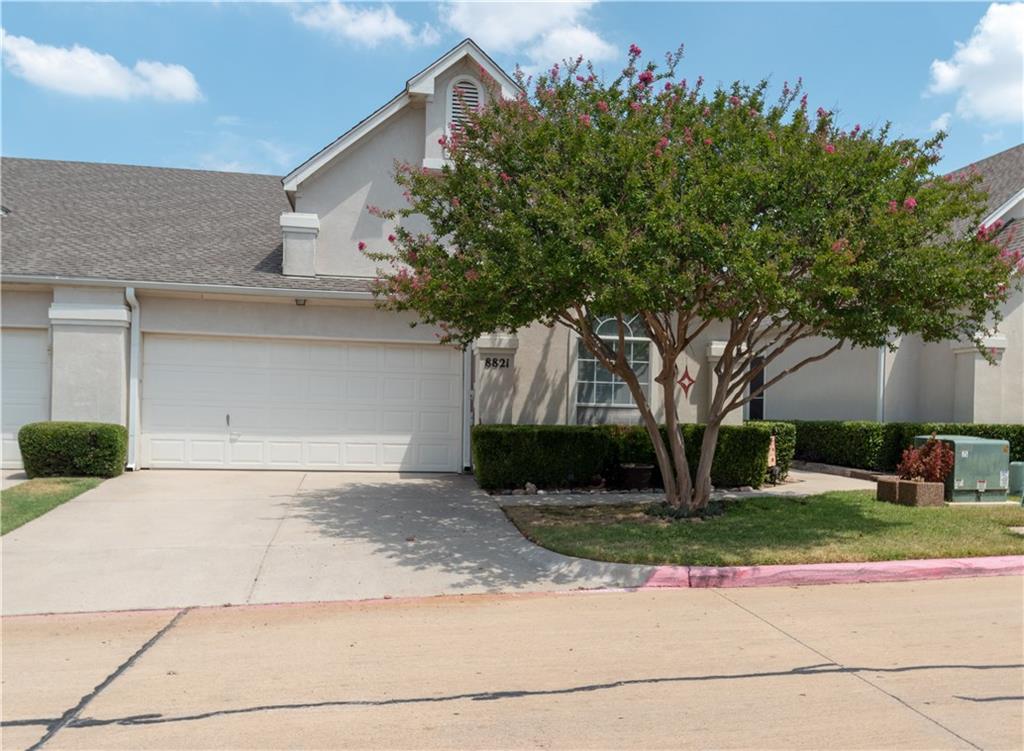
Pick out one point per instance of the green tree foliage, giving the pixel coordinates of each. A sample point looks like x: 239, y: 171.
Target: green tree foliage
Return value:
x: 583, y: 197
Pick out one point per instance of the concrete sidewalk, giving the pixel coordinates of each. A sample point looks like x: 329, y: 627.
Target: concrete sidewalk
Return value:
x: 919, y: 665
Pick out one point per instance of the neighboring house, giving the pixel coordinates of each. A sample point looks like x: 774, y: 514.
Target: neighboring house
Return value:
x: 227, y: 319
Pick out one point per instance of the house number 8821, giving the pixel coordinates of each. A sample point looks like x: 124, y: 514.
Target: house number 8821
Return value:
x: 497, y: 362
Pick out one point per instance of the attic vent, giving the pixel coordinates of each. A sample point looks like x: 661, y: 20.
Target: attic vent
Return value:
x: 465, y: 99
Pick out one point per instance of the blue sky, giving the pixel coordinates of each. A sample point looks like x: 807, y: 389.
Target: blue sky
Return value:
x: 260, y: 87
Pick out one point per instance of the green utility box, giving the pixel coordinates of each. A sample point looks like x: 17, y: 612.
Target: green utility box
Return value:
x: 1016, y: 478
x: 981, y: 467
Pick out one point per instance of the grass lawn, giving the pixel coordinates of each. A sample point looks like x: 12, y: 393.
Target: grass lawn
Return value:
x: 23, y: 503
x: 832, y: 527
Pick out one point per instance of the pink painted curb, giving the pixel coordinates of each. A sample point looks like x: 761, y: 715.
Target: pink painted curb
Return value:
x: 832, y: 573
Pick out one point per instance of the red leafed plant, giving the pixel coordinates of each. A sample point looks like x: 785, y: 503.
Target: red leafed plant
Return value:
x: 931, y: 462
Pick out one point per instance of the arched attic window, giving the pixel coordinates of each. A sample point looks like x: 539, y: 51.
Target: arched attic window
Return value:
x: 464, y: 96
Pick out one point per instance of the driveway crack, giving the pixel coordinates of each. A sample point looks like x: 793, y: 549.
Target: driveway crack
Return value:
x: 72, y: 714
x: 270, y: 542
x: 856, y: 675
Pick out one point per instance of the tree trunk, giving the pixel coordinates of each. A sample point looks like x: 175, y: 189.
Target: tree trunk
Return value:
x: 708, y: 445
x: 681, y: 469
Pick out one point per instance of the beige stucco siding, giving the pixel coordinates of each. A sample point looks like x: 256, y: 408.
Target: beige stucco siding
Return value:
x: 21, y: 308
x: 353, y: 321
x: 1010, y: 407
x: 362, y: 176
x: 536, y: 389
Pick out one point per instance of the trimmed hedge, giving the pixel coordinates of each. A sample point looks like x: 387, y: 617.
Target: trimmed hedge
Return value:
x: 878, y: 446
x: 552, y: 456
x: 73, y: 449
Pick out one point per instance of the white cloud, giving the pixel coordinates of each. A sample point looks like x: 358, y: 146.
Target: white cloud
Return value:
x: 84, y: 72
x: 941, y: 122
x: 227, y: 120
x: 544, y: 33
x: 366, y: 26
x: 230, y: 152
x: 558, y: 45
x: 992, y: 137
x: 987, y: 71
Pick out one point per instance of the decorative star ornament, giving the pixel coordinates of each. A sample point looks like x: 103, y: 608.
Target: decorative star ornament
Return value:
x: 686, y: 381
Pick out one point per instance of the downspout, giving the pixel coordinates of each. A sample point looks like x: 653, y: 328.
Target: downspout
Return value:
x: 880, y: 390
x: 135, y: 339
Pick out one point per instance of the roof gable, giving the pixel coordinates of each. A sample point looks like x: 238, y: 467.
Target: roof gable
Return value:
x: 420, y: 87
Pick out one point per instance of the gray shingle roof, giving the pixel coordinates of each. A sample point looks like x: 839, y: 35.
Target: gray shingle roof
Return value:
x: 147, y: 224
x: 1002, y: 174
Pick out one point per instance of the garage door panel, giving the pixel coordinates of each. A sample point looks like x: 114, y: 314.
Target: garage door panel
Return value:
x: 361, y: 421
x: 361, y: 388
x: 364, y: 358
x: 438, y: 423
x: 361, y: 454
x: 246, y: 453
x: 438, y: 391
x: 324, y: 454
x: 24, y: 387
x: 299, y: 404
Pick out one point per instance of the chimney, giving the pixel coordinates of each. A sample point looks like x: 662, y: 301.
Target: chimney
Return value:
x: 299, y: 232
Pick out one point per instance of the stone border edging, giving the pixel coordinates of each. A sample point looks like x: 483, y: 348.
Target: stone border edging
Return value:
x: 664, y: 577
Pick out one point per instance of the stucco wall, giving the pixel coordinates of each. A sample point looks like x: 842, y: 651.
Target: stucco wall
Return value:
x: 542, y: 387
x: 843, y: 386
x: 361, y: 176
x: 25, y: 309
x: 89, y: 380
x: 356, y: 321
x: 1010, y: 400
x: 536, y: 389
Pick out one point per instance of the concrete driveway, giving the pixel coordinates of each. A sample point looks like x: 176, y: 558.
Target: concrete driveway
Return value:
x: 156, y: 539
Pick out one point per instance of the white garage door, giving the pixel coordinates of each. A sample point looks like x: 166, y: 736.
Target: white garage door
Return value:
x: 25, y: 383
x: 288, y: 404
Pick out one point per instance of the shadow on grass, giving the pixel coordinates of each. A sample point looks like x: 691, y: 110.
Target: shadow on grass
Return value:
x: 749, y: 530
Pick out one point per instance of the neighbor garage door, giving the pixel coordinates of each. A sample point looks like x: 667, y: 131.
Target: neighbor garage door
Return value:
x: 25, y: 385
x: 289, y: 404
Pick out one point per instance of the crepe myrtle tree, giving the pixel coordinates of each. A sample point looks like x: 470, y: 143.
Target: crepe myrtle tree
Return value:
x: 649, y: 195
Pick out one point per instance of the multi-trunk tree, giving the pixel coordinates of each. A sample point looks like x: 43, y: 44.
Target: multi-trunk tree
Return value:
x: 651, y: 196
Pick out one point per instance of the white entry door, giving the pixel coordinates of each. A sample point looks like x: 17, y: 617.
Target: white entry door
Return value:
x: 25, y: 386
x: 290, y: 404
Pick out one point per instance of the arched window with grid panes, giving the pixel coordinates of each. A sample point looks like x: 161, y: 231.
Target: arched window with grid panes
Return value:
x: 596, y: 386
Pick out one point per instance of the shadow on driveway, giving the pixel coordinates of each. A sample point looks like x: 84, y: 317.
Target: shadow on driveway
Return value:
x: 446, y: 527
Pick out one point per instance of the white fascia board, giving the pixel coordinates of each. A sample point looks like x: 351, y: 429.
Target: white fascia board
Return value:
x: 89, y: 314
x: 291, y: 221
x: 1002, y: 210
x: 229, y: 289
x: 305, y: 170
x: 993, y: 341
x: 423, y: 82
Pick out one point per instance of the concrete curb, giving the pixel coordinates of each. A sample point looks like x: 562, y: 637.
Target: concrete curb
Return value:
x: 664, y: 577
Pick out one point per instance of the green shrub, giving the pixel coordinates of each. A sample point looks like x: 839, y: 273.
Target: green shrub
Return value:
x: 509, y: 456
x: 879, y: 446
x: 73, y: 449
x: 851, y: 443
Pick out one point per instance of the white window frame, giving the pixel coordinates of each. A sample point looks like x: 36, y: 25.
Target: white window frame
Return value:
x: 449, y: 98
x: 584, y: 355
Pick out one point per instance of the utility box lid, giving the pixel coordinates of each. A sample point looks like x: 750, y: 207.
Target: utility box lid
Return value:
x: 981, y: 467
